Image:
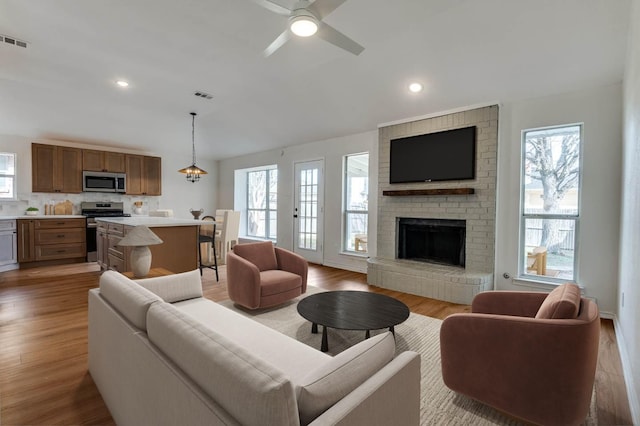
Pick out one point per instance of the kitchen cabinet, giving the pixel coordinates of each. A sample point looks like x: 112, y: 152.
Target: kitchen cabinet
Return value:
x: 26, y: 246
x: 102, y: 245
x: 103, y: 161
x: 177, y: 253
x: 144, y: 175
x: 8, y: 244
x: 44, y: 240
x: 110, y: 254
x: 56, y: 168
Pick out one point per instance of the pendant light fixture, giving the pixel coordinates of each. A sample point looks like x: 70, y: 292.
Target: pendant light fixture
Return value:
x: 193, y: 172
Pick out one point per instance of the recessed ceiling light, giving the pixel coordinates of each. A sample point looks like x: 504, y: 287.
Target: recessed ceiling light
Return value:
x: 122, y: 83
x: 415, y: 87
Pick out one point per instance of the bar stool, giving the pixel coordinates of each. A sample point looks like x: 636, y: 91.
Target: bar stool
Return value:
x: 207, y: 235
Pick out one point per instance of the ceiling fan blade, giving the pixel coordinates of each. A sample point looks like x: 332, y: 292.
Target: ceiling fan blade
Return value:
x: 335, y: 37
x: 277, y: 43
x: 273, y: 7
x: 322, y: 8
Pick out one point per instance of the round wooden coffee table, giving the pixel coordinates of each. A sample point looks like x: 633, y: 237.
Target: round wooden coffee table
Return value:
x: 351, y: 310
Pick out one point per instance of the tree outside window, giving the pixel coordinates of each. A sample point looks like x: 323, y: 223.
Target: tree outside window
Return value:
x: 356, y: 202
x: 550, y: 205
x: 262, y: 202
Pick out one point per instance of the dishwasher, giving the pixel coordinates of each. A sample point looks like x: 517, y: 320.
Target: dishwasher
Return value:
x: 8, y: 244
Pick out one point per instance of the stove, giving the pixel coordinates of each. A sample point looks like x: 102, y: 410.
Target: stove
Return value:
x: 92, y: 210
x: 102, y: 209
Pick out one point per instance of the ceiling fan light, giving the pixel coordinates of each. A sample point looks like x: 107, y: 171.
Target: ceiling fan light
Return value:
x: 303, y: 25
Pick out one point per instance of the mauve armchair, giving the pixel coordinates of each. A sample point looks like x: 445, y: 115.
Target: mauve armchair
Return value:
x: 260, y: 275
x: 530, y: 355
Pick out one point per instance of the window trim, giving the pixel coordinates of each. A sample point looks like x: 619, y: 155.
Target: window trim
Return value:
x: 14, y: 177
x: 346, y: 212
x: 521, y: 268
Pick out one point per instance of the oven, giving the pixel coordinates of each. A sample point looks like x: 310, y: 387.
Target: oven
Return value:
x: 92, y: 210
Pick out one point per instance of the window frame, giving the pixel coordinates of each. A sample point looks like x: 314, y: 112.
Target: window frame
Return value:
x: 267, y: 210
x: 346, y: 212
x: 522, y: 252
x: 12, y: 176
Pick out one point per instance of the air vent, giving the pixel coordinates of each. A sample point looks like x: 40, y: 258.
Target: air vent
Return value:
x: 14, y: 41
x: 203, y: 95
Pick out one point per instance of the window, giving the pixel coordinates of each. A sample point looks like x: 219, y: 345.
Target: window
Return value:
x: 356, y: 202
x: 262, y: 203
x: 550, y: 207
x: 7, y: 176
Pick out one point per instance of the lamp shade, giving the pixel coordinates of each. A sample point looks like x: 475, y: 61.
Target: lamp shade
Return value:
x: 140, y: 236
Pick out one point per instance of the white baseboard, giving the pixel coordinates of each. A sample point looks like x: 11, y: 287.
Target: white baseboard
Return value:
x: 632, y: 396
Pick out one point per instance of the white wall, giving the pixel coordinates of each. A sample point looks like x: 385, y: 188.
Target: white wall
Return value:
x: 178, y: 194
x: 629, y: 283
x: 600, y: 109
x: 332, y: 151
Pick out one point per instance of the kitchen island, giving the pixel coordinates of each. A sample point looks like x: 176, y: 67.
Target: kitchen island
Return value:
x: 178, y: 252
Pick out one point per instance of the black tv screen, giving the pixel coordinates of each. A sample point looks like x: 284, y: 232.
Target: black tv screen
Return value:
x: 448, y: 155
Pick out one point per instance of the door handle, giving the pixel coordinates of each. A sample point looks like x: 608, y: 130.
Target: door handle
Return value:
x: 295, y: 216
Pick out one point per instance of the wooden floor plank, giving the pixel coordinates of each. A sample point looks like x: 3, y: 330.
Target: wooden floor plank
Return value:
x: 43, y: 334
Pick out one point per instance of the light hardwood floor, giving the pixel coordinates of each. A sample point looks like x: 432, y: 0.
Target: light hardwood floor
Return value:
x: 43, y: 344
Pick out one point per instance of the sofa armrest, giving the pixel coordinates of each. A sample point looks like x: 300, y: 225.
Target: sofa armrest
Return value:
x: 508, y: 362
x: 243, y: 281
x: 516, y: 303
x: 391, y: 396
x: 294, y: 263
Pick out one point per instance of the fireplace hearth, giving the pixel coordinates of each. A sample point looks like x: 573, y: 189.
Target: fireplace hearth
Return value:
x: 440, y: 241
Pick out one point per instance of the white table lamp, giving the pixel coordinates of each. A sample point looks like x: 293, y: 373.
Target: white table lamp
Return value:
x: 140, y: 237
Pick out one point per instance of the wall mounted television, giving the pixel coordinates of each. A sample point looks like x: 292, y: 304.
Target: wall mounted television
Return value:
x: 440, y: 156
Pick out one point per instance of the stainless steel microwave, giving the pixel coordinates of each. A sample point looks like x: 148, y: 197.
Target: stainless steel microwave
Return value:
x: 104, y: 182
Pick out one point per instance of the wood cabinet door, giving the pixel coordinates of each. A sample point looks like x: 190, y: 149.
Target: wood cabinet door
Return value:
x: 26, y: 242
x: 43, y: 159
x: 56, y: 168
x: 134, y: 174
x: 101, y: 248
x: 152, y: 176
x: 103, y: 161
x: 114, y: 162
x: 93, y: 160
x: 69, y: 170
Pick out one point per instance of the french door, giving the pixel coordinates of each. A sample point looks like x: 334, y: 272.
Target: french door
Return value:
x: 308, y: 222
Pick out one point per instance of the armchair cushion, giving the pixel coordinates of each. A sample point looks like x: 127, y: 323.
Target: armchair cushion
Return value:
x: 331, y: 382
x: 274, y: 282
x: 260, y: 254
x: 562, y: 303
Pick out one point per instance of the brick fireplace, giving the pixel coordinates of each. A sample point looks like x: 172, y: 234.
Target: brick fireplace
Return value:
x: 468, y: 205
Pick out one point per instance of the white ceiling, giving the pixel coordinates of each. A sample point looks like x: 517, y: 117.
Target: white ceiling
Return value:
x: 465, y: 52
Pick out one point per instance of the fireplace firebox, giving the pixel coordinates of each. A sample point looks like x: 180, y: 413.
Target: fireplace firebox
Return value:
x: 431, y: 240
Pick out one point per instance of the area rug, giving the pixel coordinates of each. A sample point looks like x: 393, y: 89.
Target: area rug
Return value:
x: 438, y: 404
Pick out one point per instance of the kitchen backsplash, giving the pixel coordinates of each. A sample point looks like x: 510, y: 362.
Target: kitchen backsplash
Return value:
x: 39, y: 200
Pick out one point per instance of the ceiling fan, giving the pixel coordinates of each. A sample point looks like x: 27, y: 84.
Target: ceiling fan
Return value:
x: 305, y: 19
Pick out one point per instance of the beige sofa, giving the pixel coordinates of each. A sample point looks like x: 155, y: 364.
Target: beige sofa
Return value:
x: 161, y: 354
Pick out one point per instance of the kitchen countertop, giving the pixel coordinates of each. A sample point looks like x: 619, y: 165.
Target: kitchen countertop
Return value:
x: 43, y: 216
x: 150, y: 221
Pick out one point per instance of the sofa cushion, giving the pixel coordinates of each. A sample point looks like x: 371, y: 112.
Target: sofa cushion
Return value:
x: 562, y: 303
x: 248, y: 388
x: 260, y: 254
x: 127, y: 297
x: 175, y: 288
x: 332, y: 381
